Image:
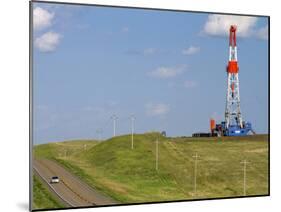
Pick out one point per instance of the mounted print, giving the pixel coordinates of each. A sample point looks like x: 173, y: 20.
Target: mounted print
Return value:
x: 145, y: 105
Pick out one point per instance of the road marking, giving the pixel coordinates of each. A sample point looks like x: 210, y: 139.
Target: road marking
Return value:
x: 52, y: 187
x: 67, y: 185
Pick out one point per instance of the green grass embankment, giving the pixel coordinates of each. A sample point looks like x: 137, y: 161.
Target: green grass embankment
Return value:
x: 42, y: 198
x: 129, y: 175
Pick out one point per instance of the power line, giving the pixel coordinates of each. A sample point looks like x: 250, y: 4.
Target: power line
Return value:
x: 132, y: 130
x: 195, y: 173
x: 114, y: 118
x: 156, y: 155
x: 99, y: 133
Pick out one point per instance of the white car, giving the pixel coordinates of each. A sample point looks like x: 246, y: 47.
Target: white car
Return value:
x: 55, y: 179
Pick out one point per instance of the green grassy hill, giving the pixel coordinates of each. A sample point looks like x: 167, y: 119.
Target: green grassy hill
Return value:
x: 42, y: 196
x: 129, y: 175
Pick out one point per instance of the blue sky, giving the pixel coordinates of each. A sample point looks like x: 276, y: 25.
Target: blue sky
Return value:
x: 166, y: 68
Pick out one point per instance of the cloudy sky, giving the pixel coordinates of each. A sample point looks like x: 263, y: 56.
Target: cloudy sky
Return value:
x: 165, y: 68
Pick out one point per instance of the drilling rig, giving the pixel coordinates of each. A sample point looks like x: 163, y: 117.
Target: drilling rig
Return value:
x: 233, y: 125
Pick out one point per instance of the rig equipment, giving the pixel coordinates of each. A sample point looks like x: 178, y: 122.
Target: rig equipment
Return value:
x: 233, y: 125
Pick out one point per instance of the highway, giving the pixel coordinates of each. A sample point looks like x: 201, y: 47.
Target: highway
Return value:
x: 70, y: 190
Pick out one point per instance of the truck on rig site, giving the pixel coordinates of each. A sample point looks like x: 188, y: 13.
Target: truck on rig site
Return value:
x: 233, y: 125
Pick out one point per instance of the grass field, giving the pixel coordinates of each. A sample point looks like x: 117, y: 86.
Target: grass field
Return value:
x: 129, y: 176
x: 42, y: 197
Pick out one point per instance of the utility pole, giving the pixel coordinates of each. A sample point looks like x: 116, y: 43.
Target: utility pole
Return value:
x: 114, y: 118
x: 245, y: 175
x: 99, y: 132
x: 156, y: 155
x: 195, y: 173
x: 132, y: 130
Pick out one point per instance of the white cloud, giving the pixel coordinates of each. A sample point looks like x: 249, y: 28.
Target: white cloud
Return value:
x: 171, y: 84
x: 167, y: 72
x: 190, y: 84
x: 48, y: 41
x: 112, y: 103
x: 262, y: 33
x: 191, y: 50
x: 218, y: 25
x: 92, y: 109
x: 144, y: 52
x: 157, y: 109
x: 149, y: 51
x: 125, y: 29
x: 42, y: 18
